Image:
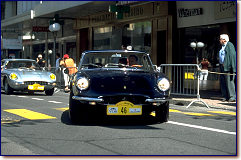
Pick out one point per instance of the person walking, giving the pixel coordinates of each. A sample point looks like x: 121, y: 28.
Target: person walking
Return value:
x: 68, y: 71
x: 227, y: 63
x: 204, y: 71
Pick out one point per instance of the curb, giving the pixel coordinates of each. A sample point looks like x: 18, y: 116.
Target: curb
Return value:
x: 186, y: 102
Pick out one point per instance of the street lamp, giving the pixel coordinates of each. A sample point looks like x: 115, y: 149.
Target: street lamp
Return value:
x: 54, y: 28
x: 196, y: 46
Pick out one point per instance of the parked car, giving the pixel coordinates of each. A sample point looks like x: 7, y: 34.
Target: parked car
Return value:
x: 26, y: 75
x: 118, y: 83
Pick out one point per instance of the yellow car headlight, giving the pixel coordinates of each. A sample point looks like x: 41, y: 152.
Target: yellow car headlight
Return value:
x: 13, y: 76
x: 52, y: 77
x: 82, y: 83
x: 163, y: 84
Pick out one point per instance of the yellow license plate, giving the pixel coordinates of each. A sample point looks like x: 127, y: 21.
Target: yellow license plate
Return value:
x: 124, y: 108
x: 36, y: 87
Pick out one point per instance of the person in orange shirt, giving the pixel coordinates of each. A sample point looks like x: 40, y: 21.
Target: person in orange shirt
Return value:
x: 69, y: 70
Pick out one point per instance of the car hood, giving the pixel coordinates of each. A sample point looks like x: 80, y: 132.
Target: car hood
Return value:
x: 32, y: 75
x: 120, y: 81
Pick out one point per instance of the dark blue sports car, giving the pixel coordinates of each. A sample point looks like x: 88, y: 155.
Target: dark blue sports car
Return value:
x: 118, y: 83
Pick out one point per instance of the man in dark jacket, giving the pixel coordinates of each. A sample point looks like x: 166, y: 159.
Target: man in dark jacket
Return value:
x: 227, y: 60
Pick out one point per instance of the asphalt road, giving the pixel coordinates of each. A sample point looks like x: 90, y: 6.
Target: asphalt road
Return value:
x: 39, y: 125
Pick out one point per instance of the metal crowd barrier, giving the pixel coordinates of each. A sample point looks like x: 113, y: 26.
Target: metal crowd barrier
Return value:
x: 184, y: 80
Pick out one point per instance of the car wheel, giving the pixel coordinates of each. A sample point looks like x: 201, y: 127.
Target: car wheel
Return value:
x: 8, y: 90
x: 162, y: 113
x: 49, y: 92
x: 75, y: 114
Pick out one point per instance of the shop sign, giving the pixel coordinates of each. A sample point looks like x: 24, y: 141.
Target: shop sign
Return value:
x: 145, y: 10
x: 103, y: 18
x: 225, y: 9
x: 134, y: 12
x: 182, y: 12
x: 125, y: 2
x: 40, y: 29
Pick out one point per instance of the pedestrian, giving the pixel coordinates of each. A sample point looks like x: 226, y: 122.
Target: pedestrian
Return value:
x: 204, y: 71
x: 123, y: 47
x: 68, y: 71
x: 58, y: 69
x: 40, y: 60
x: 227, y: 63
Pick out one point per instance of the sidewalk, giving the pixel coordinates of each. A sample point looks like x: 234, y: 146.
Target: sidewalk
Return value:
x: 212, y: 98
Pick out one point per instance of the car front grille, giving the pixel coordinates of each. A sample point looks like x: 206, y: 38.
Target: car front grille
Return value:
x: 35, y: 82
x: 120, y: 84
x: 133, y: 99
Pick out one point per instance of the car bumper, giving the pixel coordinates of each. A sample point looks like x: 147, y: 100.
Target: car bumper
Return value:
x: 23, y: 87
x: 100, y: 105
x: 90, y: 99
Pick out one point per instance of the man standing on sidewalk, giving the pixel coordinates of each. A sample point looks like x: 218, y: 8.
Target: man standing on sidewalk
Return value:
x: 227, y: 61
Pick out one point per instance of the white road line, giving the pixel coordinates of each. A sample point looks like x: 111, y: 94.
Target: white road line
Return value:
x: 54, y: 102
x: 39, y: 99
x: 201, y: 127
x: 56, y: 90
x: 22, y: 96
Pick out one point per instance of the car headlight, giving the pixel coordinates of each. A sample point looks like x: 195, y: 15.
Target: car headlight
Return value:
x: 13, y: 76
x: 163, y: 84
x: 52, y: 77
x: 82, y: 83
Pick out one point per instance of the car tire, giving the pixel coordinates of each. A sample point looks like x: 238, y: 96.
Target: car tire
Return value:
x: 162, y: 113
x: 75, y: 114
x: 8, y: 90
x: 49, y: 92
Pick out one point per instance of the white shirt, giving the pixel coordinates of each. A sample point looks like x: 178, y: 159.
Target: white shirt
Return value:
x: 222, y: 54
x: 57, y: 63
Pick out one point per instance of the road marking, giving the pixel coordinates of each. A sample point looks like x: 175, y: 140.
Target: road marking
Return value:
x: 22, y: 96
x: 174, y: 110
x: 201, y: 127
x: 56, y: 90
x: 39, y: 99
x: 9, y: 121
x: 224, y: 112
x: 29, y: 114
x: 62, y: 109
x: 197, y: 114
x: 187, y: 113
x: 54, y: 102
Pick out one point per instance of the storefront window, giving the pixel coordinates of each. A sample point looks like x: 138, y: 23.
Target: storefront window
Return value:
x: 137, y: 35
x: 102, y: 38
x: 209, y: 35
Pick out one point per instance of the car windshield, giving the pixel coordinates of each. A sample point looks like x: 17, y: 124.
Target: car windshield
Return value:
x: 116, y: 60
x: 22, y: 65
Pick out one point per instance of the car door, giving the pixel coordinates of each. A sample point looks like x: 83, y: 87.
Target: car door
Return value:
x: 2, y: 71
